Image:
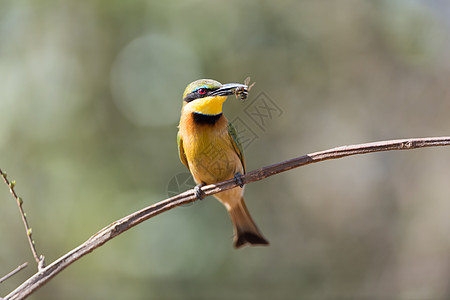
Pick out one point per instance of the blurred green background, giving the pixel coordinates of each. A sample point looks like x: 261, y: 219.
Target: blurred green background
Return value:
x: 90, y: 96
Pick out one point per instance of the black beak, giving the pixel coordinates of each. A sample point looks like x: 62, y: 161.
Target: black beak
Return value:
x: 228, y: 89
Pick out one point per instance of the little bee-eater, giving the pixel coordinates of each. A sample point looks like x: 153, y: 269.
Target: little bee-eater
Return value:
x: 208, y: 146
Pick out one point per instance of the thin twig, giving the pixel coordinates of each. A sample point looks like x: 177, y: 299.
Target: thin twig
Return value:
x: 13, y: 272
x: 11, y: 185
x: 120, y: 226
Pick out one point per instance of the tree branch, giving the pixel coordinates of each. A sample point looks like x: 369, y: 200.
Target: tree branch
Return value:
x: 120, y: 226
x: 13, y: 272
x: 40, y: 260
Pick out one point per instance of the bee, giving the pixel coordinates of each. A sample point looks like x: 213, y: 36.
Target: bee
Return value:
x: 242, y: 92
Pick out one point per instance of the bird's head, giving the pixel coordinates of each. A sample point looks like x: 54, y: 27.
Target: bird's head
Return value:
x: 206, y: 96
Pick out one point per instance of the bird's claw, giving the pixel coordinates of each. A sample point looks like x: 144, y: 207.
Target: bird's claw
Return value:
x: 198, y: 192
x: 238, y: 179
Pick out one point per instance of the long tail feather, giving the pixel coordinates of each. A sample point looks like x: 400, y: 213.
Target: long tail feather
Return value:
x: 244, y: 227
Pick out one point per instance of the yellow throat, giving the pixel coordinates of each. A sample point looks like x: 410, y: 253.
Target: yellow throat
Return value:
x: 208, y: 105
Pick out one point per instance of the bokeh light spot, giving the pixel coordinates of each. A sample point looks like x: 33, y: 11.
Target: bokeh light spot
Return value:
x: 148, y: 78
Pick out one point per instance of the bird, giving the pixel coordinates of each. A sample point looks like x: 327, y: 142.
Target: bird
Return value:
x: 209, y: 147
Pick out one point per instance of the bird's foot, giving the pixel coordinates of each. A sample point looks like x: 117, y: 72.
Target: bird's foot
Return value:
x: 198, y: 192
x: 238, y: 179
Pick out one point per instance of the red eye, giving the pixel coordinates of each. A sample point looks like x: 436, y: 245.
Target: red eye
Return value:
x: 201, y: 91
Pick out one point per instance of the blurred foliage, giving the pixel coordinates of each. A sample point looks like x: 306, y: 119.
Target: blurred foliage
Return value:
x: 90, y: 99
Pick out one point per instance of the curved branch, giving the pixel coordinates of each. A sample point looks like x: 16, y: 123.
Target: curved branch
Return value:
x: 120, y: 226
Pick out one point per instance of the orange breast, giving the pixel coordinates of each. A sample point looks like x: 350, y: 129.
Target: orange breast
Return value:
x: 209, y: 151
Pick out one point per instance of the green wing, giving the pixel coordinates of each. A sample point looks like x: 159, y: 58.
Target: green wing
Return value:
x: 236, y: 144
x: 181, y: 150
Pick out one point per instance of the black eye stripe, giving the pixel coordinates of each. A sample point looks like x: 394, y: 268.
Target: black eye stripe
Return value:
x: 189, y: 97
x: 196, y: 95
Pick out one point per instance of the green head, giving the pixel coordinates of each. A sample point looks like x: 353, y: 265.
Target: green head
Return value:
x: 206, y: 96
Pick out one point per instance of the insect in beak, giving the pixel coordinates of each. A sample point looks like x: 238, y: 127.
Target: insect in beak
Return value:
x: 242, y: 91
